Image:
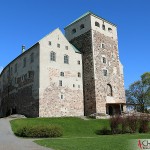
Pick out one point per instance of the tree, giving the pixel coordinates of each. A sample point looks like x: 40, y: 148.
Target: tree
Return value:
x: 139, y: 93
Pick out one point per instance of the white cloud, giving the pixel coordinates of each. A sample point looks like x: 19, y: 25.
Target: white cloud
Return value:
x: 1, y: 69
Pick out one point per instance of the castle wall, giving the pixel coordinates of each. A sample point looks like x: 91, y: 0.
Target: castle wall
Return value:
x: 84, y: 44
x: 19, y: 88
x: 56, y: 100
x: 114, y: 72
x: 102, y: 81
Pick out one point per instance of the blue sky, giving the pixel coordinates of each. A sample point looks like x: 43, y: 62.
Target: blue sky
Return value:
x: 27, y: 21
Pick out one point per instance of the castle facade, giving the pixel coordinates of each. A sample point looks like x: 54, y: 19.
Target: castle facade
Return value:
x: 73, y: 75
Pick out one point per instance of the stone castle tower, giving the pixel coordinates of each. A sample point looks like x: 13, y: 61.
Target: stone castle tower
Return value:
x: 103, y: 83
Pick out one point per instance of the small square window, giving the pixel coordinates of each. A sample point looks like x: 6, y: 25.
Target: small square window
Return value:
x: 105, y: 72
x: 62, y: 97
x: 78, y: 62
x: 73, y: 85
x: 62, y: 74
x: 79, y: 74
x: 60, y: 82
x: 50, y: 43
x: 103, y: 45
x: 58, y: 45
x: 66, y: 47
x: 104, y: 60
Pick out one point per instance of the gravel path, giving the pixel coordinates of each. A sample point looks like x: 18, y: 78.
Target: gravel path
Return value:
x: 8, y: 141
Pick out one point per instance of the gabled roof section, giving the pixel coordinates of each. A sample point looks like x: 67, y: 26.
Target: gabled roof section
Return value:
x: 90, y: 13
x: 56, y: 31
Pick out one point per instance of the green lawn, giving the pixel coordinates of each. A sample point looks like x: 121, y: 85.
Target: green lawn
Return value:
x: 109, y: 142
x: 80, y: 134
x: 72, y: 127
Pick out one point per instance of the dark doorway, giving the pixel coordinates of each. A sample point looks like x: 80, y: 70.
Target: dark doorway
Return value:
x: 14, y: 111
x: 110, y: 110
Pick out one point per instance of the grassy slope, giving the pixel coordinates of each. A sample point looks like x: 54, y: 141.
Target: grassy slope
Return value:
x: 73, y: 127
x: 77, y: 133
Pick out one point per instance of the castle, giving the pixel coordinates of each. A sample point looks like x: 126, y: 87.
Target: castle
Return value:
x: 73, y: 75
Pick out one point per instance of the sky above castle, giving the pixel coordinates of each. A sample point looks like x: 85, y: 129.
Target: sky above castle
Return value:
x: 24, y: 22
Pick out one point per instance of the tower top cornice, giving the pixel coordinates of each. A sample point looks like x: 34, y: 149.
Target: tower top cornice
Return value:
x: 89, y: 13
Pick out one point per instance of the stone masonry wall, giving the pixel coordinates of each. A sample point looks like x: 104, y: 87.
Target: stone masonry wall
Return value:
x: 84, y: 44
x: 20, y: 100
x: 51, y: 104
x: 112, y: 65
x: 20, y: 85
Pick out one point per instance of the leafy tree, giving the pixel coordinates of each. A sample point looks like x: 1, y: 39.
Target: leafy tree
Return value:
x: 139, y: 93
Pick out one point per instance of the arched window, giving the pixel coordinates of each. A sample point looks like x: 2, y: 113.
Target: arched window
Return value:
x: 81, y: 26
x: 74, y: 31
x: 110, y: 29
x: 66, y: 59
x: 53, y: 56
x: 103, y: 27
x: 109, y: 90
x: 97, y: 24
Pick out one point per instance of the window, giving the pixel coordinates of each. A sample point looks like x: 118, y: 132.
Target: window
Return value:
x: 110, y: 29
x: 66, y: 47
x: 104, y: 60
x: 79, y: 74
x: 66, y: 59
x: 62, y: 97
x: 30, y: 74
x: 25, y: 77
x: 73, y: 85
x: 62, y: 74
x: 105, y: 72
x: 109, y: 90
x: 58, y: 45
x: 78, y: 62
x: 103, y: 27
x: 11, y: 70
x: 81, y: 26
x: 32, y: 58
x: 50, y: 43
x: 24, y: 62
x: 103, y: 45
x: 8, y: 73
x: 97, y: 24
x: 53, y: 56
x: 15, y: 67
x: 74, y: 31
x: 60, y: 82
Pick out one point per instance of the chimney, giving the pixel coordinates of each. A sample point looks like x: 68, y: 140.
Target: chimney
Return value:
x: 23, y: 48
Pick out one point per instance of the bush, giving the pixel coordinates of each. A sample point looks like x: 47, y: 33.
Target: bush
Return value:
x: 144, y: 124
x: 104, y: 131
x: 114, y: 124
x: 132, y: 123
x: 40, y: 131
x: 124, y: 125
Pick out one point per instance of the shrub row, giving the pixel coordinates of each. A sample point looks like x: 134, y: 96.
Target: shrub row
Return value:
x: 39, y: 131
x: 126, y: 124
